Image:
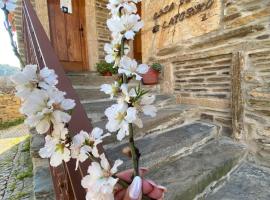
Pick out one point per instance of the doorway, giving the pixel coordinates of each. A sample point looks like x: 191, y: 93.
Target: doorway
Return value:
x: 137, y: 43
x: 68, y: 35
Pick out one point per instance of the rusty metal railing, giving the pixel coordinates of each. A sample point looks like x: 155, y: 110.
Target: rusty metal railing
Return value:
x: 38, y: 50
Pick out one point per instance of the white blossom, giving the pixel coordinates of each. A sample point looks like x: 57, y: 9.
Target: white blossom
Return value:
x: 55, y: 147
x: 145, y: 105
x: 84, y: 144
x: 47, y: 78
x: 127, y: 25
x: 130, y: 68
x: 126, y: 95
x: 29, y: 80
x: 119, y: 116
x: 126, y: 6
x: 100, y: 183
x: 45, y: 107
x: 57, y: 100
x: 113, y: 51
x: 25, y: 81
x: 110, y: 89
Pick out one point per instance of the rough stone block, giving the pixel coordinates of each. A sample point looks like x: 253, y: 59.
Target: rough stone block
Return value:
x: 188, y: 176
x: 43, y: 185
x: 157, y: 148
x: 248, y: 182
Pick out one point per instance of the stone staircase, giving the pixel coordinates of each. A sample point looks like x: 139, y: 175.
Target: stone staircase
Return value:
x: 186, y: 155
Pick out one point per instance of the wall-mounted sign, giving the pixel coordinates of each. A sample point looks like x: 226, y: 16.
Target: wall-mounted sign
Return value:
x: 181, y: 16
x: 173, y: 23
x: 66, y: 6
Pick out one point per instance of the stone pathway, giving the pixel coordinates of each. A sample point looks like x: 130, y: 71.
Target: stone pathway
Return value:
x: 15, y: 164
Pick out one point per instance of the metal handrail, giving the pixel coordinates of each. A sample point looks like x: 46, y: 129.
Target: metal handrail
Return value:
x: 38, y: 50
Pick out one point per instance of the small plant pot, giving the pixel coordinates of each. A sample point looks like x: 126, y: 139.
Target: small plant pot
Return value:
x: 107, y: 74
x: 151, y: 77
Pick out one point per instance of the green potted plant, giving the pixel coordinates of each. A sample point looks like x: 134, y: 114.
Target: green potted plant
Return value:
x: 151, y: 77
x: 106, y: 69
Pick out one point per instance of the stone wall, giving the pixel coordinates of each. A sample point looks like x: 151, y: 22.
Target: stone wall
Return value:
x: 103, y: 34
x: 221, y: 66
x: 203, y: 55
x: 256, y: 95
x: 9, y: 108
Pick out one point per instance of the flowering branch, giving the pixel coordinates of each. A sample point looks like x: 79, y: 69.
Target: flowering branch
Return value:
x: 47, y: 109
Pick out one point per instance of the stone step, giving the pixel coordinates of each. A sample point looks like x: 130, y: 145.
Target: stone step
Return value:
x: 186, y: 177
x: 166, y: 118
x: 96, y: 108
x: 88, y: 93
x: 93, y: 80
x: 247, y: 182
x: 157, y: 148
x: 89, y: 79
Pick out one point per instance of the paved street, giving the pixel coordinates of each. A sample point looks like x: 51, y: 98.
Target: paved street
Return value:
x: 15, y: 164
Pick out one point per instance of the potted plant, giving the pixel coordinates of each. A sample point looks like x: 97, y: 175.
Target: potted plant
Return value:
x: 151, y: 77
x: 106, y: 69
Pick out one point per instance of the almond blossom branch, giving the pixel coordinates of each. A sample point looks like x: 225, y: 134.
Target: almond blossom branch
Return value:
x: 134, y: 151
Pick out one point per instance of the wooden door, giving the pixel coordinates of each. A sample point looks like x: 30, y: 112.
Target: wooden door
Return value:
x: 137, y: 44
x: 67, y: 34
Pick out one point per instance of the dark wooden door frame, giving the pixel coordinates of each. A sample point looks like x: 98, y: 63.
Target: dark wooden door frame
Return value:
x: 83, y: 38
x: 84, y: 35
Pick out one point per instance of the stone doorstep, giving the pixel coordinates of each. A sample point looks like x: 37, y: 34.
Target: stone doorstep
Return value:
x: 247, y: 182
x: 166, y: 118
x: 95, y: 110
x: 157, y: 148
x: 92, y: 93
x: 43, y: 184
x: 99, y: 106
x: 94, y: 81
x: 186, y: 177
x: 90, y: 79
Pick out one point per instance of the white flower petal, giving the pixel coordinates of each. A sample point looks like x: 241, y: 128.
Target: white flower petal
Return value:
x: 131, y: 115
x: 104, y: 162
x: 61, y: 117
x: 142, y: 69
x: 97, y: 133
x: 150, y: 110
x: 129, y: 35
x: 117, y: 163
x: 68, y: 104
x: 124, y: 130
x: 43, y: 126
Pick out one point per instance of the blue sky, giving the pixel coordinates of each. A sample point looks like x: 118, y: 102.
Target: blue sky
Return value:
x: 6, y: 53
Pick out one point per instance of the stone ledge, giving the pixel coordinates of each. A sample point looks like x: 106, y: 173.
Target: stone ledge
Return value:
x: 248, y: 182
x: 42, y: 179
x: 188, y: 176
x: 158, y: 148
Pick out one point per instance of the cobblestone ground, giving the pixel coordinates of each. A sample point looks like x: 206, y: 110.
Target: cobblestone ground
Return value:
x: 16, y: 181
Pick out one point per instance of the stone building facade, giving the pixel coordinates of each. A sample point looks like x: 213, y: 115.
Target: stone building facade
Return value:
x: 9, y: 108
x: 215, y: 55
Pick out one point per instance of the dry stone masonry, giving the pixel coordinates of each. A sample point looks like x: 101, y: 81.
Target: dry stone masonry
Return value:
x: 103, y: 33
x: 9, y: 108
x: 216, y: 56
x: 187, y: 155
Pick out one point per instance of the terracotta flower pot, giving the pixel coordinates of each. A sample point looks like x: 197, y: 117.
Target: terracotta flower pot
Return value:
x: 107, y: 74
x: 151, y: 77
